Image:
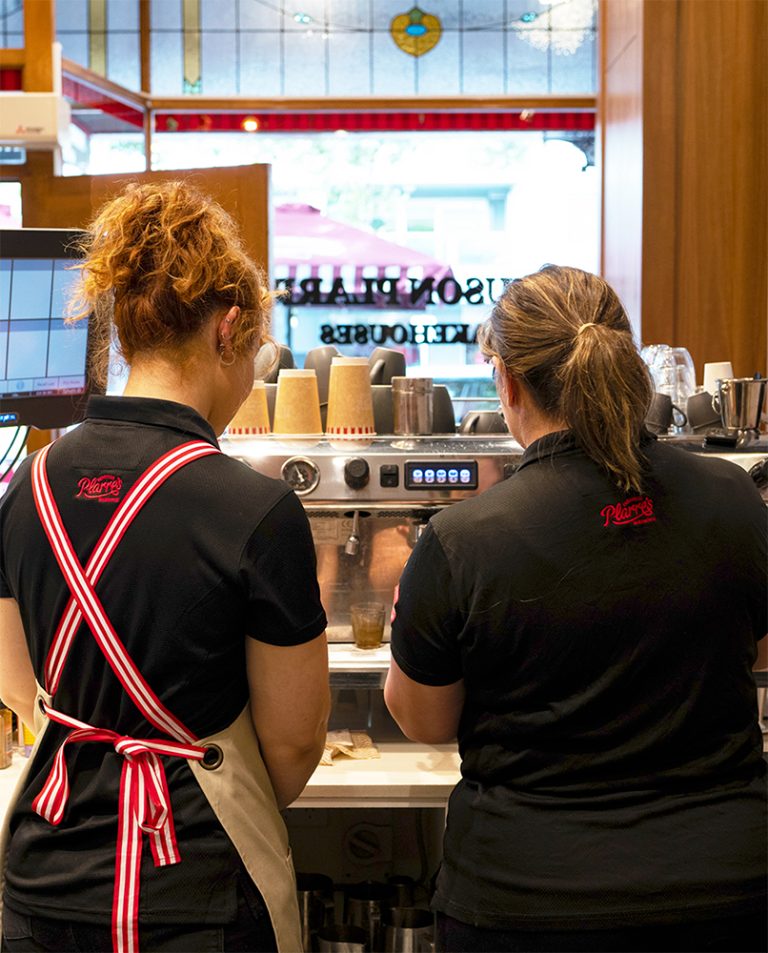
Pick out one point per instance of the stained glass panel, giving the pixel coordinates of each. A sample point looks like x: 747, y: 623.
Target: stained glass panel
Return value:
x: 258, y: 76
x: 11, y: 24
x: 333, y: 47
x: 219, y: 16
x: 305, y: 64
x: 439, y: 72
x: 167, y: 63
x: 219, y: 64
x: 255, y: 16
x: 74, y: 46
x: 385, y: 47
x: 72, y: 15
x: 165, y: 15
x: 124, y: 58
x: 102, y: 35
x: 349, y: 62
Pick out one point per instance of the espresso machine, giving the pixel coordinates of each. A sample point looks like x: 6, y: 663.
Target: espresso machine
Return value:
x: 368, y: 501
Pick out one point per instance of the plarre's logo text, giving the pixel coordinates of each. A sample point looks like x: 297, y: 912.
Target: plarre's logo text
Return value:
x: 105, y: 488
x: 632, y: 512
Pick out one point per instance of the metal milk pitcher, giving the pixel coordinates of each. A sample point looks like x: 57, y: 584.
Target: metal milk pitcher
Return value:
x: 739, y: 401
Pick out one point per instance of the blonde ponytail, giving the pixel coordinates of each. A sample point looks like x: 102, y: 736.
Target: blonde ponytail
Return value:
x: 564, y: 332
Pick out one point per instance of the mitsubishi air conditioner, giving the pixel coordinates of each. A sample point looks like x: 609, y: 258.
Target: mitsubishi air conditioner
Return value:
x: 33, y: 120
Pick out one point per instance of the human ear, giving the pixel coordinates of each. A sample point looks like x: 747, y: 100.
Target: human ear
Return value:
x: 504, y: 383
x: 226, y: 324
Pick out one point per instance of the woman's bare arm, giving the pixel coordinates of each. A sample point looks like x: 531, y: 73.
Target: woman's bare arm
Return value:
x: 425, y: 713
x: 290, y: 704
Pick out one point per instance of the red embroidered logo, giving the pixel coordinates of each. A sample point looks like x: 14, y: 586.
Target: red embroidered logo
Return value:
x: 105, y: 488
x: 632, y: 512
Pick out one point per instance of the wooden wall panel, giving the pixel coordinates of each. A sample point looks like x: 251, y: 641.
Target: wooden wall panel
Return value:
x: 723, y: 182
x: 39, y: 35
x: 660, y: 289
x: 702, y: 92
x: 621, y: 143
x: 50, y: 201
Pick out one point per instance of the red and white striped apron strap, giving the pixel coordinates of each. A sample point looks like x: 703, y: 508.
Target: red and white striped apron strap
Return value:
x: 150, y: 481
x: 89, y: 604
x: 144, y: 800
x: 144, y: 808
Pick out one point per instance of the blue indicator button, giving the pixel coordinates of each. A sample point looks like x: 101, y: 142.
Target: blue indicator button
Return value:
x: 465, y: 476
x: 442, y: 476
x: 418, y: 476
x: 429, y: 476
x: 453, y: 476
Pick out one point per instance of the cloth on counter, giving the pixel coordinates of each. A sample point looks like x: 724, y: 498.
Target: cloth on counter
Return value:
x: 353, y: 744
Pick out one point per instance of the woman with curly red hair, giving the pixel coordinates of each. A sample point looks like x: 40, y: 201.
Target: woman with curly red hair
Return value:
x: 167, y: 638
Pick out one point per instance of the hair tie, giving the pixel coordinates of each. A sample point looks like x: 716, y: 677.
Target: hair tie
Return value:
x: 582, y: 327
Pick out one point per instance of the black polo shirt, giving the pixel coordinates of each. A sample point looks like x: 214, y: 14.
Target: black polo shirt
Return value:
x: 611, y: 757
x: 221, y: 552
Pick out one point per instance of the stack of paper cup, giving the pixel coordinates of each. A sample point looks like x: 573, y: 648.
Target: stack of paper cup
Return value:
x: 253, y: 415
x: 297, y: 404
x: 721, y: 370
x: 350, y: 404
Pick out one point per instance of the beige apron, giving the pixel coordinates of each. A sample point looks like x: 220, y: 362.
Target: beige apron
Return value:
x: 240, y: 794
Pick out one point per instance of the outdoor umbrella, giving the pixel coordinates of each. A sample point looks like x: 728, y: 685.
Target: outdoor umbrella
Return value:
x: 306, y: 241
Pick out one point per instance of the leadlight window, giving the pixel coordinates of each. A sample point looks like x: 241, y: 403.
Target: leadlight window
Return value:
x: 104, y: 36
x: 11, y: 24
x: 341, y: 48
x: 335, y: 48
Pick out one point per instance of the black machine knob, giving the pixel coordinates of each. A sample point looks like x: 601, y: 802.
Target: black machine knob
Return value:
x: 356, y: 473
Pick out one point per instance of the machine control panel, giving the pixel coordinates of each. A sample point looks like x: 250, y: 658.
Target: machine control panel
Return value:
x: 459, y: 474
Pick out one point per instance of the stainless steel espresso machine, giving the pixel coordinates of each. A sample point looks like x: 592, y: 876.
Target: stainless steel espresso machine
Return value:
x: 369, y: 500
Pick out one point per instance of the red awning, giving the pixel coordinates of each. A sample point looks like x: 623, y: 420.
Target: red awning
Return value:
x: 307, y: 244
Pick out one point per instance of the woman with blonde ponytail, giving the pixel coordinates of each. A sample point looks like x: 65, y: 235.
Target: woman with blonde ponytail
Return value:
x: 587, y: 630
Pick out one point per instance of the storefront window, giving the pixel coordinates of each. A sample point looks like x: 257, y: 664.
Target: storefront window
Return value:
x: 469, y: 210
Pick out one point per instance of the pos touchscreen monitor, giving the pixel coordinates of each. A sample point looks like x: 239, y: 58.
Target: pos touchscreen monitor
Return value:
x: 44, y: 363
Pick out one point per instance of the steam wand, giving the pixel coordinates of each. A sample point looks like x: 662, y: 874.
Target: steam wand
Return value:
x: 352, y: 544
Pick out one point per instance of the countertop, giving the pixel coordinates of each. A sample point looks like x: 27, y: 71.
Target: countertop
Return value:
x: 406, y: 775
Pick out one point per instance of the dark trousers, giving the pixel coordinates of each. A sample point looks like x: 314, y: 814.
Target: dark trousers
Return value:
x: 250, y: 933
x: 744, y: 934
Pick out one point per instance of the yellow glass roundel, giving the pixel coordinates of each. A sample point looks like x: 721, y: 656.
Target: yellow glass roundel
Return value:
x: 416, y: 32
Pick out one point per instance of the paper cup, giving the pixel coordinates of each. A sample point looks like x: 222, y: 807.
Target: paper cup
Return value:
x: 350, y: 403
x: 253, y: 415
x: 721, y: 370
x: 297, y: 404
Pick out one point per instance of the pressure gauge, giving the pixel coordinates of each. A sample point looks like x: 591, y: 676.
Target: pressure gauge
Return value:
x: 301, y: 475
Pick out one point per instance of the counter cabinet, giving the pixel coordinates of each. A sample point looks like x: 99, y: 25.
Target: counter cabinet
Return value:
x: 367, y: 820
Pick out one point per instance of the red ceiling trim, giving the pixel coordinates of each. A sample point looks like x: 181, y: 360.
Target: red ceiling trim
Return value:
x: 476, y: 121
x: 84, y: 95
x: 10, y: 79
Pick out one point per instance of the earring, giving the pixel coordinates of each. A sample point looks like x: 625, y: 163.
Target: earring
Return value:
x: 226, y: 355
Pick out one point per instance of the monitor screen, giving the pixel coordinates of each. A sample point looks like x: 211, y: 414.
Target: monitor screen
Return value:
x: 44, y: 362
